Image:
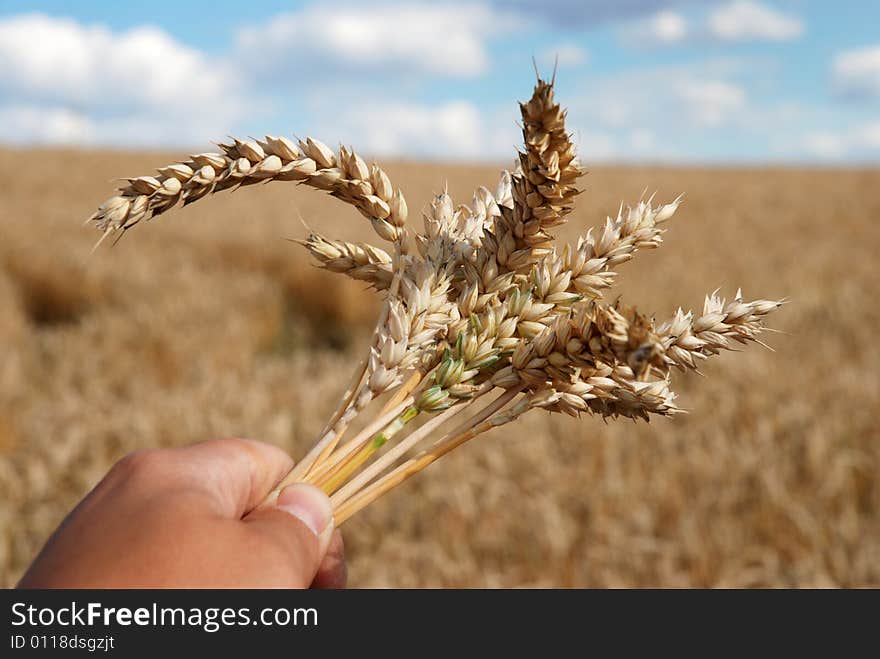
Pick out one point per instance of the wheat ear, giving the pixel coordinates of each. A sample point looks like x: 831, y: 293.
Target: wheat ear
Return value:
x: 344, y: 175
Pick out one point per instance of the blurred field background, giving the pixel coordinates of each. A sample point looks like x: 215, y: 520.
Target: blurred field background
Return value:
x: 207, y: 323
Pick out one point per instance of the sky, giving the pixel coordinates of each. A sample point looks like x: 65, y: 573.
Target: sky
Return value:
x: 687, y: 81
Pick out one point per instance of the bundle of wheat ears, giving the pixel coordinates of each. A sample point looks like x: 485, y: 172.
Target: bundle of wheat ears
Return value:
x: 483, y: 305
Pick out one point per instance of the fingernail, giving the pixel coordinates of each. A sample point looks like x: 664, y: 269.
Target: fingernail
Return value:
x: 309, y: 505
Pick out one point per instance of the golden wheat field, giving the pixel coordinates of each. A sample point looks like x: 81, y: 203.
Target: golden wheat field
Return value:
x: 207, y: 323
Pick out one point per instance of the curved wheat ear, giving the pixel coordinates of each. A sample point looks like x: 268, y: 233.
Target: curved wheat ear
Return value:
x: 344, y: 175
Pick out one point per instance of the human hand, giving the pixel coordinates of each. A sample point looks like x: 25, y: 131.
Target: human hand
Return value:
x: 187, y: 518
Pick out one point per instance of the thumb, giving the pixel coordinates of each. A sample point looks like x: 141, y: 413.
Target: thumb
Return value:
x: 300, y: 523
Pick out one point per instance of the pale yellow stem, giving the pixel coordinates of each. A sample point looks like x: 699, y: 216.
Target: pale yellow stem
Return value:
x: 337, y: 460
x: 383, y: 462
x: 352, y: 464
x: 481, y: 422
x: 295, y: 476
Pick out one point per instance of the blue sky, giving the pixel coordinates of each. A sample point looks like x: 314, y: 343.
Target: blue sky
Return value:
x: 645, y: 80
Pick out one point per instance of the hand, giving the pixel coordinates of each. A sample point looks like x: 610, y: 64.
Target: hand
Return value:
x: 186, y: 518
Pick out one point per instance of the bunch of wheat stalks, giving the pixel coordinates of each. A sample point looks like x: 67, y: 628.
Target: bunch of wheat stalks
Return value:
x: 483, y: 305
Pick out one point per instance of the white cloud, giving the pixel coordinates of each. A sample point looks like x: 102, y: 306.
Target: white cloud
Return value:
x: 869, y: 136
x: 457, y: 129
x: 857, y: 72
x: 64, y: 81
x: 52, y: 124
x: 737, y: 21
x: 594, y: 146
x: 662, y: 29
x: 44, y: 125
x: 824, y: 145
x: 670, y: 113
x: 711, y: 102
x: 619, y: 146
x: 406, y: 128
x: 669, y: 27
x: 642, y: 141
x: 447, y: 40
x: 745, y: 20
x: 862, y: 141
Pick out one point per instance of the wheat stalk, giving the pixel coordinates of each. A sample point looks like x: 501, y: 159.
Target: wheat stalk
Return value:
x: 485, y: 302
